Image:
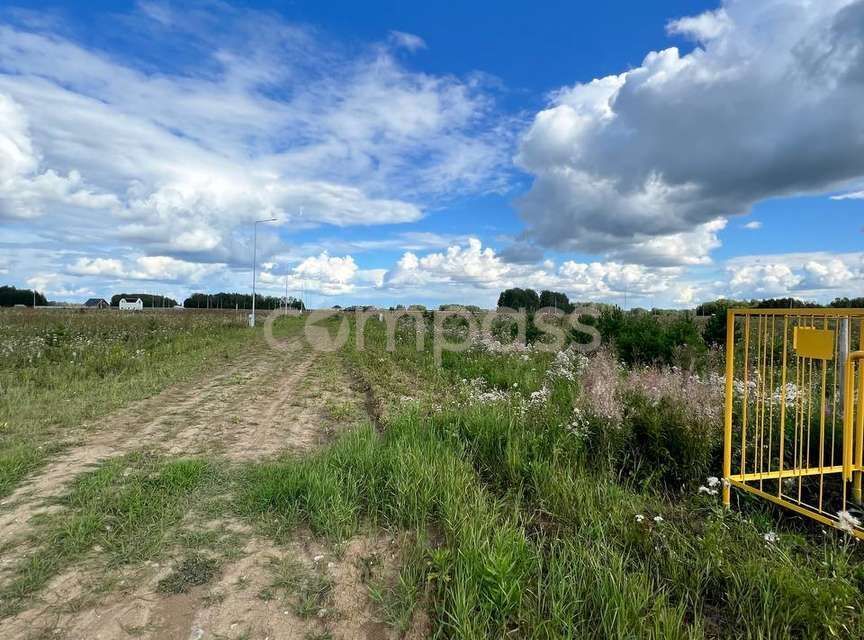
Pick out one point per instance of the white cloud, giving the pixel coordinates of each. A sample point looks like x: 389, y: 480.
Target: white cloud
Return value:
x: 25, y: 189
x: 159, y: 268
x: 271, y: 121
x: 702, y: 28
x: 765, y: 279
x: 767, y: 105
x: 471, y: 264
x: 330, y: 275
x: 817, y: 275
x: 471, y: 271
x: 325, y: 274
x: 753, y: 225
x: 854, y: 195
x: 407, y: 40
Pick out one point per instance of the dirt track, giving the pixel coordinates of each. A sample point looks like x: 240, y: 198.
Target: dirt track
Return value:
x: 265, y: 402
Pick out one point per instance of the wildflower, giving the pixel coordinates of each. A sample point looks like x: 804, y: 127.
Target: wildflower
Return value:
x: 640, y: 517
x: 539, y: 397
x: 847, y: 522
x: 708, y: 490
x: 771, y: 537
x: 713, y: 482
x: 658, y: 519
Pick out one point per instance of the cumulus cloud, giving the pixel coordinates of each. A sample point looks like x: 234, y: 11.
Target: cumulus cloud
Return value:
x: 25, y: 188
x: 472, y: 271
x: 270, y: 120
x: 157, y: 268
x: 812, y: 275
x: 753, y: 225
x: 766, y: 105
x: 702, y: 28
x: 323, y: 273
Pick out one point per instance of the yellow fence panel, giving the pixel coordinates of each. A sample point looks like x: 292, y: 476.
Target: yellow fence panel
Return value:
x: 794, y: 424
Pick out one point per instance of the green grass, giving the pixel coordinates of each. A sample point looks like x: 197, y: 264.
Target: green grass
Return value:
x: 59, y: 370
x: 308, y: 589
x: 518, y: 524
x: 128, y: 509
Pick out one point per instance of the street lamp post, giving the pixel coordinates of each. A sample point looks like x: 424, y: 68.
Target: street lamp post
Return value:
x: 254, y: 257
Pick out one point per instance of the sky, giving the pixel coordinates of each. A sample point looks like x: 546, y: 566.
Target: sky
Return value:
x: 645, y: 154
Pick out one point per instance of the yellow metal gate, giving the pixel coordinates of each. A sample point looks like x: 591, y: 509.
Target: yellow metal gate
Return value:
x: 794, y: 431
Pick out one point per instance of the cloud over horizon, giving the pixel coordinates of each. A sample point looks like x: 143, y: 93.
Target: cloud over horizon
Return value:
x: 145, y: 162
x: 768, y: 104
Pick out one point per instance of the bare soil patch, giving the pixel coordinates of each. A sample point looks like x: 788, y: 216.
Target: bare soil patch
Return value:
x: 248, y: 599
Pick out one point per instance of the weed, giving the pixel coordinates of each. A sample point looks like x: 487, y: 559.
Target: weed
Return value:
x: 309, y: 589
x: 193, y: 571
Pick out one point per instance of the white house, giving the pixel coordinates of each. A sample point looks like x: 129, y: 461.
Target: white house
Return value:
x: 138, y: 305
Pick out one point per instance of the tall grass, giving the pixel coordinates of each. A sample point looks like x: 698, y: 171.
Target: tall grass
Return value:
x: 526, y: 541
x: 547, y: 498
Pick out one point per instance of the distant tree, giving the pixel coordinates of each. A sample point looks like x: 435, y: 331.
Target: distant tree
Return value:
x: 557, y: 300
x: 847, y: 303
x: 519, y: 299
x: 782, y: 303
x: 714, y: 330
x: 10, y: 296
x: 224, y: 300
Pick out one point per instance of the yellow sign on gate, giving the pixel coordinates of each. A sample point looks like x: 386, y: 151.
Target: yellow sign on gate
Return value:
x: 814, y: 343
x: 794, y: 424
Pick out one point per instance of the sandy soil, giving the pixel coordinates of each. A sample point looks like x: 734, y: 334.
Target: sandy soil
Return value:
x: 240, y: 603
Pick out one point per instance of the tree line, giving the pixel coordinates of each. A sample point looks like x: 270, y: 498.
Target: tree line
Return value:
x: 224, y: 300
x: 10, y: 296
x: 656, y: 336
x: 715, y: 327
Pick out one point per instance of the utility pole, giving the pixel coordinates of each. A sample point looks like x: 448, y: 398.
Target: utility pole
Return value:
x: 254, y: 258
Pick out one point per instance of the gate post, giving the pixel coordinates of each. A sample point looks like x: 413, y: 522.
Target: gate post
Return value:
x: 727, y: 426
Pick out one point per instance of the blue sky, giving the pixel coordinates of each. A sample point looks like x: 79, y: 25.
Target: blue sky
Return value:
x: 664, y: 152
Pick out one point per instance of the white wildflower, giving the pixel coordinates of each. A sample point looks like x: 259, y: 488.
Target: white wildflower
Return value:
x: 708, y: 490
x: 847, y: 522
x: 640, y: 517
x: 658, y: 519
x: 713, y: 482
x: 771, y: 537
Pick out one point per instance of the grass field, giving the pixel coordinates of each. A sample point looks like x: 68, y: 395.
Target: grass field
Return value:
x: 518, y: 493
x: 60, y: 370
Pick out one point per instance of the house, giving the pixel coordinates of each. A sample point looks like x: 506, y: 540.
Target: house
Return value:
x: 96, y: 303
x: 137, y: 305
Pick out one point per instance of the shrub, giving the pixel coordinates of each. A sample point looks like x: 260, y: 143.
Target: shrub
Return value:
x: 664, y: 443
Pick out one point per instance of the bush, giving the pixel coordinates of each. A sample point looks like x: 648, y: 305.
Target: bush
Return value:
x: 651, y: 338
x: 663, y: 443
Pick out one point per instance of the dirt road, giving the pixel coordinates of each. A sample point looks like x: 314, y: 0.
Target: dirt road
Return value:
x: 264, y: 403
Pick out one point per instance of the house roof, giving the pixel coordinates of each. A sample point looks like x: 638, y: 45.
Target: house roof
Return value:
x: 92, y: 302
